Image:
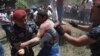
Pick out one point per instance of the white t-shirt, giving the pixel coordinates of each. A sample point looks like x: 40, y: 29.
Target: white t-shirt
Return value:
x: 89, y: 4
x: 3, y: 19
x: 35, y: 14
x: 49, y: 14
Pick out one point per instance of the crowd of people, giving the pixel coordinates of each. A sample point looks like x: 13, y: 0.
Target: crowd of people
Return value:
x: 80, y: 12
x: 27, y: 28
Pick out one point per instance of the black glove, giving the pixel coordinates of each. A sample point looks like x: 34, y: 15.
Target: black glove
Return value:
x: 59, y: 29
x: 73, y: 24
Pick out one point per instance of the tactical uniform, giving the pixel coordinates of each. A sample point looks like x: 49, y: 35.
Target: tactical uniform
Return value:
x: 94, y: 34
x: 21, y: 35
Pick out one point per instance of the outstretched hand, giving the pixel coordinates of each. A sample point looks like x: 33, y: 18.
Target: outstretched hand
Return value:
x: 74, y: 24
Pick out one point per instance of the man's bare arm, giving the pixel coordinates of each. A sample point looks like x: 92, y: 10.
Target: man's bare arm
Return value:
x: 78, y: 41
x: 36, y: 39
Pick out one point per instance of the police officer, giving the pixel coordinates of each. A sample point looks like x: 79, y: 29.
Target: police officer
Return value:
x: 46, y: 35
x: 20, y: 32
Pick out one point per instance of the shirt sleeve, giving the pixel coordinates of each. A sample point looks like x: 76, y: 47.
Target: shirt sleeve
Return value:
x: 94, y: 33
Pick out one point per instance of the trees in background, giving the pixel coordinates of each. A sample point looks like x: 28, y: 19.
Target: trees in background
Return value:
x: 21, y: 4
x: 27, y: 3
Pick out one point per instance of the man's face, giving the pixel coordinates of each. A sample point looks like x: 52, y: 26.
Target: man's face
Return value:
x: 95, y: 14
x: 21, y: 23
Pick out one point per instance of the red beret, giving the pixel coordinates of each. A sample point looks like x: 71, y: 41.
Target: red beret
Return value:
x: 97, y: 1
x: 19, y: 15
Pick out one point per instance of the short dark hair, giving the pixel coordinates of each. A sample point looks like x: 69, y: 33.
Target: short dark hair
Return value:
x: 42, y: 13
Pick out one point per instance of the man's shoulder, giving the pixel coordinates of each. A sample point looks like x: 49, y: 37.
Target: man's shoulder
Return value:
x: 45, y: 25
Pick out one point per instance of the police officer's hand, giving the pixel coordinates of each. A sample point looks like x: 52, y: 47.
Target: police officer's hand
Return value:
x: 21, y: 52
x: 20, y: 45
x: 59, y: 29
x: 74, y: 24
x: 23, y: 45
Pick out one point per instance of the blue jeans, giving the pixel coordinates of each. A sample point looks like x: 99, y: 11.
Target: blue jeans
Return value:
x: 50, y: 50
x: 1, y: 50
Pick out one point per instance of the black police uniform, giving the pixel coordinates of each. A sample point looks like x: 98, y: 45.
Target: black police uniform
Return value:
x: 21, y: 35
x: 94, y: 34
